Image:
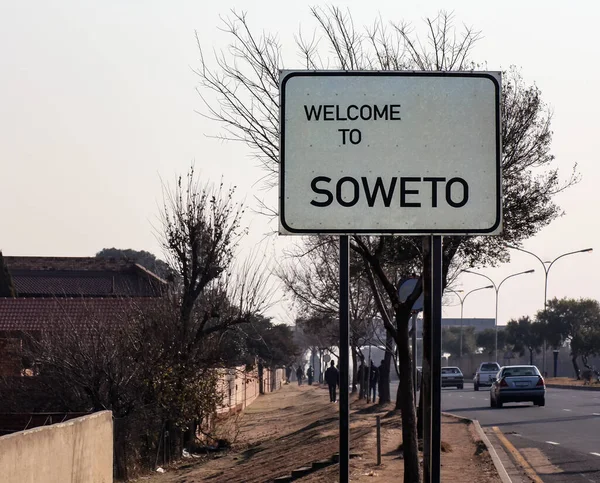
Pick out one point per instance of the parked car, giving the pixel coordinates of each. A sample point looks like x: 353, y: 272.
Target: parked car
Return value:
x: 485, y: 373
x: 518, y: 384
x: 452, y: 377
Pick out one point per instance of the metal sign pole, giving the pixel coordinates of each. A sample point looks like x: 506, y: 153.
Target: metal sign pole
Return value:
x: 414, y: 354
x: 436, y: 358
x: 344, y: 344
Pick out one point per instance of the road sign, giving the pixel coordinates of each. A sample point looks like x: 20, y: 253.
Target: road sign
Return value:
x: 390, y: 152
x: 406, y: 288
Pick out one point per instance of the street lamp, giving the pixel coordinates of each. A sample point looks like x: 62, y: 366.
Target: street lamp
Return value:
x: 546, y: 270
x: 497, y: 289
x: 462, y: 303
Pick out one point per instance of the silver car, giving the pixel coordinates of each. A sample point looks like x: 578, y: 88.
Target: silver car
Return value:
x: 518, y: 384
x: 452, y: 377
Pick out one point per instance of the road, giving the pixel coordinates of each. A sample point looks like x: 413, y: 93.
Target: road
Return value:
x: 566, y: 431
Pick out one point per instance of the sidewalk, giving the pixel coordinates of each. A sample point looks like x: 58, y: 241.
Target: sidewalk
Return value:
x: 297, y: 426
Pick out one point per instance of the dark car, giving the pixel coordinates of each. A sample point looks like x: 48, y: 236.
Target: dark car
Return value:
x: 452, y: 377
x: 518, y: 384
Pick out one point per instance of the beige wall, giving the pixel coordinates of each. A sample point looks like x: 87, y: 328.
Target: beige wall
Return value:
x: 77, y: 451
x: 238, y: 388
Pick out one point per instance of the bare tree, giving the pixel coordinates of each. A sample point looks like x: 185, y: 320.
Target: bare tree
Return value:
x: 201, y: 227
x: 7, y: 288
x: 114, y: 355
x: 243, y: 84
x: 310, y: 275
x: 153, y: 361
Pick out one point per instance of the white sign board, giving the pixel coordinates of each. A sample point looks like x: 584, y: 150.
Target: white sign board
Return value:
x: 390, y: 152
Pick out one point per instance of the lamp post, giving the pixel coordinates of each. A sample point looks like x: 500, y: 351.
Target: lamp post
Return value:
x: 546, y: 271
x: 462, y: 303
x: 497, y: 289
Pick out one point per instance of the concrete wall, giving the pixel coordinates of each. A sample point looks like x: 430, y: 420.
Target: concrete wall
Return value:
x: 469, y: 364
x: 238, y: 388
x: 77, y: 451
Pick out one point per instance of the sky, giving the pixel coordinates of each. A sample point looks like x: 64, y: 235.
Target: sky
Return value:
x: 98, y: 108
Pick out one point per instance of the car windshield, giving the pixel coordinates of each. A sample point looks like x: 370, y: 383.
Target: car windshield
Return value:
x: 490, y: 367
x: 520, y: 371
x: 450, y: 370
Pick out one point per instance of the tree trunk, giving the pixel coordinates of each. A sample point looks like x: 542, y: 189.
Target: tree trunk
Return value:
x: 120, y: 448
x: 354, y: 367
x: 407, y: 403
x: 320, y: 366
x: 384, y: 392
x: 531, y: 356
x: 189, y: 435
x: 420, y: 412
x: 261, y: 389
x: 575, y: 366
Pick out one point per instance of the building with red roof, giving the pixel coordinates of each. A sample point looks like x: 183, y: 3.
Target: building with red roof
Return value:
x: 69, y: 292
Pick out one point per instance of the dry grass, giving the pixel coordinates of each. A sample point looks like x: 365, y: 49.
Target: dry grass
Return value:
x: 568, y: 381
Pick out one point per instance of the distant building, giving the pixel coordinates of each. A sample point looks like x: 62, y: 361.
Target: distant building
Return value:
x: 62, y: 277
x: 67, y: 292
x: 480, y: 324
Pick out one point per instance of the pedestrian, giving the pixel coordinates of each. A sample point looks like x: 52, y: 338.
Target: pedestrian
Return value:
x: 299, y: 375
x: 360, y: 375
x: 373, y: 379
x: 288, y: 374
x: 332, y: 378
x: 310, y: 374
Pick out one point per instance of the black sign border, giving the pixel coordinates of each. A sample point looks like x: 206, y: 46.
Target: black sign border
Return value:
x: 441, y: 231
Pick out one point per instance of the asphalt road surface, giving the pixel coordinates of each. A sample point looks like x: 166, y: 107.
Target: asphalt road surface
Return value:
x: 566, y: 431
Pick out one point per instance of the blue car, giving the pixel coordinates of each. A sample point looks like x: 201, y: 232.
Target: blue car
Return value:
x: 518, y: 384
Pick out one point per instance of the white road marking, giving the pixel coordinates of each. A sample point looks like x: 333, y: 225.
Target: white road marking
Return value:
x: 552, y: 442
x: 567, y: 409
x: 595, y: 454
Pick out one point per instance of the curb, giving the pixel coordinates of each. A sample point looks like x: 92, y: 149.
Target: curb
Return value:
x: 495, y: 458
x: 577, y: 388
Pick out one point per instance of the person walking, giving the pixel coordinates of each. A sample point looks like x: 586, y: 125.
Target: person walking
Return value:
x: 288, y: 374
x: 310, y: 373
x: 299, y: 375
x: 362, y: 379
x: 373, y: 379
x: 332, y: 378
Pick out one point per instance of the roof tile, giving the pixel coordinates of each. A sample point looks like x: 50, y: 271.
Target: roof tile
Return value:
x: 31, y: 314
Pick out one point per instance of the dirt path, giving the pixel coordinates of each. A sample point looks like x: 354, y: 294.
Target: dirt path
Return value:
x: 297, y: 426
